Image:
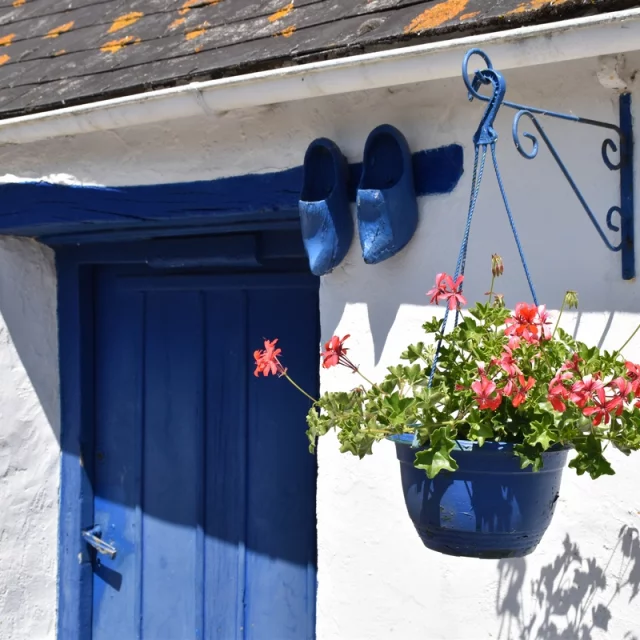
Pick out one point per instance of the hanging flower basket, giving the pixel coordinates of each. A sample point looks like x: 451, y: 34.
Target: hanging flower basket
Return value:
x: 490, y: 507
x: 483, y: 418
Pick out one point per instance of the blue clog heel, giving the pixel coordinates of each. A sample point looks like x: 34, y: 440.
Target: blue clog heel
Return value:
x: 325, y: 216
x: 386, y: 202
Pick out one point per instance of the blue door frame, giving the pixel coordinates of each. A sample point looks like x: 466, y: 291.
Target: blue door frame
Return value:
x: 88, y: 226
x: 75, y: 267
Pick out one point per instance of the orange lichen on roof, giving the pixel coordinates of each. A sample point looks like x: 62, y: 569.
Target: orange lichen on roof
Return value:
x: 198, y: 49
x: 196, y: 33
x: 63, y: 28
x: 287, y: 32
x: 18, y: 3
x: 5, y: 41
x: 533, y: 5
x: 281, y: 13
x: 435, y: 16
x: 468, y: 16
x: 189, y: 4
x: 176, y: 23
x: 4, y: 58
x: 125, y: 21
x: 115, y: 45
x: 59, y: 53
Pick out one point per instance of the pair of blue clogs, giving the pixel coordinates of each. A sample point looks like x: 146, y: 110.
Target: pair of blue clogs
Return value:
x: 386, y: 205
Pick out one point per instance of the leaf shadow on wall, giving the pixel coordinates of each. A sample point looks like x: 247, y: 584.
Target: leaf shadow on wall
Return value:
x: 572, y: 596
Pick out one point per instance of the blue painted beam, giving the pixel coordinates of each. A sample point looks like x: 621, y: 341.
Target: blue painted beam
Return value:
x: 51, y: 211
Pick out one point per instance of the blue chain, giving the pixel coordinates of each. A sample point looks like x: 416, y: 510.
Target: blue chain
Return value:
x: 478, y: 172
x: 485, y: 136
x: 513, y: 224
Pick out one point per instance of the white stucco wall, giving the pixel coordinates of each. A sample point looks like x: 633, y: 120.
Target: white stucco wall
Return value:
x: 29, y: 449
x: 376, y: 580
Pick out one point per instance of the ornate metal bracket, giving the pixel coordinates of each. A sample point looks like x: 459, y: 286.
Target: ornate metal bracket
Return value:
x: 486, y: 135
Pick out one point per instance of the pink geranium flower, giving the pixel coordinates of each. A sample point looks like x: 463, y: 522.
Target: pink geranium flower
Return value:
x: 603, y: 407
x: 484, y: 390
x: 507, y: 363
x: 544, y: 320
x: 524, y: 387
x: 439, y: 291
x: 583, y: 389
x: 523, y: 323
x: 446, y: 289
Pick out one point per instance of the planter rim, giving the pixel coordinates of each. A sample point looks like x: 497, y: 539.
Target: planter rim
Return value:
x: 469, y: 445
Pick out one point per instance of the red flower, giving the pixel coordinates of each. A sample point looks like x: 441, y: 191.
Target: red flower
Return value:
x: 509, y: 388
x: 557, y: 403
x: 603, y: 407
x: 558, y: 392
x: 633, y: 373
x: 544, y: 321
x: 439, y: 292
x: 267, y: 360
x: 524, y: 322
x: 484, y: 389
x: 507, y: 363
x: 335, y: 352
x: 625, y: 387
x: 454, y: 296
x: 573, y: 364
x: 446, y: 289
x: 582, y: 390
x: 521, y: 393
x: 514, y: 342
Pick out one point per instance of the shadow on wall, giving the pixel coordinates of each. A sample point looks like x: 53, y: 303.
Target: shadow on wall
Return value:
x: 28, y: 307
x: 572, y: 596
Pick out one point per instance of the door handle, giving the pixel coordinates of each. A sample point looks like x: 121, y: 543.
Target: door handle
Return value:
x: 93, y: 537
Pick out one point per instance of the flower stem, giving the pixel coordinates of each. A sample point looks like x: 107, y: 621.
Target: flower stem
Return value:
x: 629, y: 339
x: 493, y: 279
x: 300, y: 389
x: 357, y: 370
x: 564, y: 302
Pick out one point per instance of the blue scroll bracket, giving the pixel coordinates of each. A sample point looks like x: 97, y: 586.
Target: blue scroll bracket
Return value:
x: 623, y: 132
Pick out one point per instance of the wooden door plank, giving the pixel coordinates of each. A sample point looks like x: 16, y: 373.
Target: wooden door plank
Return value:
x: 281, y: 474
x: 173, y: 542
x: 226, y: 471
x: 117, y: 459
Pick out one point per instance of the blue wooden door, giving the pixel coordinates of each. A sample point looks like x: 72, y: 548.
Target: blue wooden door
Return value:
x: 203, y: 481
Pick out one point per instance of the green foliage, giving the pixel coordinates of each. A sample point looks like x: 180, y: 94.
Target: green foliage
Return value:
x: 576, y: 398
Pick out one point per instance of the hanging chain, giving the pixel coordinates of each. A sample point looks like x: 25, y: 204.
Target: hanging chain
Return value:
x: 484, y: 137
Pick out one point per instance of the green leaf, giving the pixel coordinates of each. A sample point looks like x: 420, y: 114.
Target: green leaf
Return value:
x: 433, y: 326
x: 414, y: 352
x: 541, y: 432
x: 590, y: 459
x: 437, y: 457
x: 529, y: 456
x: 480, y: 432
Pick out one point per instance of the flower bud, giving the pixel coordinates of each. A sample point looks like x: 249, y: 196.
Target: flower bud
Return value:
x: 497, y: 267
x: 571, y: 299
x: 498, y: 300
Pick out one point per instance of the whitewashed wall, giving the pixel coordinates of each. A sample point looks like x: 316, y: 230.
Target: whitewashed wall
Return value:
x: 376, y: 580
x: 29, y: 450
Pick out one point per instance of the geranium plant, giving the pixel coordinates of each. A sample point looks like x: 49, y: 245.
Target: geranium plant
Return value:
x: 508, y: 376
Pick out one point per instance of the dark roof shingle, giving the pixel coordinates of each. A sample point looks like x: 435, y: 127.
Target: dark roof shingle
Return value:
x: 56, y: 53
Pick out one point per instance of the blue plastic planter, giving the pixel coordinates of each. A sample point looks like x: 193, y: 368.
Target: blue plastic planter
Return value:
x: 489, y: 507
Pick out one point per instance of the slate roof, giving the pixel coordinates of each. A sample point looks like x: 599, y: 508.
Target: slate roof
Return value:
x: 56, y: 53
